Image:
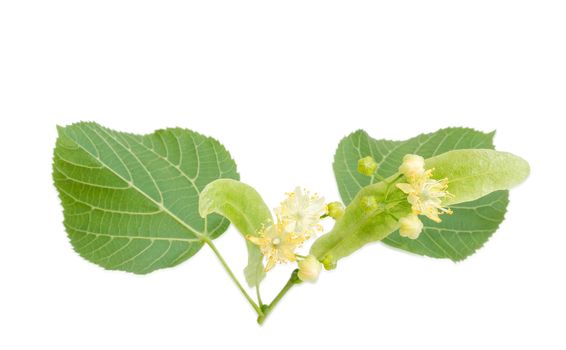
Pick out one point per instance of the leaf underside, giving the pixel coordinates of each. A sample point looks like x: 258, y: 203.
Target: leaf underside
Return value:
x: 457, y: 236
x: 131, y: 202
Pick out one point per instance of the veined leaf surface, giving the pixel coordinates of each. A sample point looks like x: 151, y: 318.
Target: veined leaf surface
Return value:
x: 131, y: 202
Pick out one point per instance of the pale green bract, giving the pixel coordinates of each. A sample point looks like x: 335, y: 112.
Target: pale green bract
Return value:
x: 360, y: 226
x: 131, y: 202
x: 247, y: 211
x: 457, y: 236
x: 472, y: 174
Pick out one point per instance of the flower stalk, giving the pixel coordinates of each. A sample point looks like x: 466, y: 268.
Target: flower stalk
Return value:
x: 266, y: 309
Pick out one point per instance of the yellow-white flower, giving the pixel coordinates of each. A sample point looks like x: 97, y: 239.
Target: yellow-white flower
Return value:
x: 300, y: 212
x: 276, y: 244
x: 426, y: 195
x: 309, y: 269
x: 412, y: 166
x: 298, y: 218
x: 410, y: 226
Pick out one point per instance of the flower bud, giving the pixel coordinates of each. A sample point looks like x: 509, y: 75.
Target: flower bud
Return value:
x: 413, y: 165
x: 309, y: 269
x: 367, y: 166
x: 410, y: 226
x: 335, y: 210
x: 329, y: 263
x: 369, y: 204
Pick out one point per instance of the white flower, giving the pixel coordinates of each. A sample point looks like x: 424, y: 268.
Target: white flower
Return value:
x: 413, y: 165
x: 309, y: 269
x: 297, y: 218
x: 425, y: 195
x: 410, y: 226
x: 276, y: 245
x: 300, y: 212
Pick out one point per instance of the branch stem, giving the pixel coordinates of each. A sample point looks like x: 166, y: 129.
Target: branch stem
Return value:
x: 233, y: 277
x: 294, y: 279
x: 260, y: 303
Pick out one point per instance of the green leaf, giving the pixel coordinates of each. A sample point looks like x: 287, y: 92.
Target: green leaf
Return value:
x: 459, y: 235
x: 131, y: 202
x: 245, y: 208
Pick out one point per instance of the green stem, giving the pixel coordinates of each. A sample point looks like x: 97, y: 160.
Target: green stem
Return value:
x: 260, y: 303
x: 389, y: 183
x: 233, y: 277
x: 376, y: 176
x: 395, y: 202
x: 392, y: 215
x: 294, y: 279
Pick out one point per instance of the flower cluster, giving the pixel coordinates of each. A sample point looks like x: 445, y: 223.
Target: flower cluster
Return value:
x: 298, y: 219
x: 300, y: 213
x: 423, y: 193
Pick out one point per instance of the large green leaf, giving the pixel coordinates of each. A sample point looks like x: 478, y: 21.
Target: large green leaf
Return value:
x: 459, y: 235
x: 245, y: 208
x: 131, y: 202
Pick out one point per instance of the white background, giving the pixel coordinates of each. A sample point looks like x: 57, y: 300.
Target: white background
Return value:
x: 279, y: 83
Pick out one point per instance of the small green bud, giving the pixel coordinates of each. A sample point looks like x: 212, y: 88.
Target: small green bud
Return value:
x: 295, y: 277
x: 367, y: 166
x: 329, y: 263
x: 369, y: 204
x: 335, y: 210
